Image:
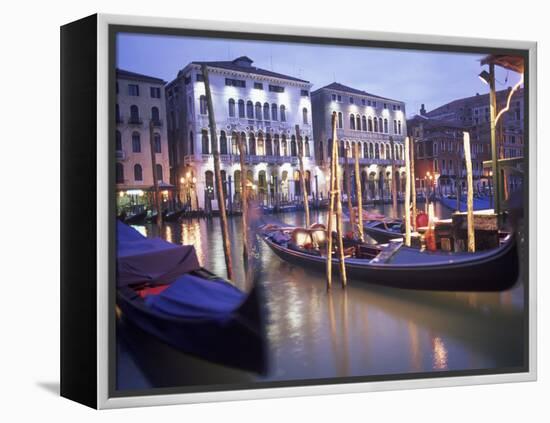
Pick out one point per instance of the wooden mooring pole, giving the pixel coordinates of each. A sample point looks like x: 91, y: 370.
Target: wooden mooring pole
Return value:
x: 359, y: 192
x: 413, y: 181
x: 154, y: 172
x: 393, y: 179
x: 244, y: 195
x: 470, y: 193
x: 348, y: 184
x: 217, y: 174
x: 407, y: 194
x: 302, y: 174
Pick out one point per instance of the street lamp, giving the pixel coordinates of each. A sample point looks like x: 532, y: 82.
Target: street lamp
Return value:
x: 485, y: 77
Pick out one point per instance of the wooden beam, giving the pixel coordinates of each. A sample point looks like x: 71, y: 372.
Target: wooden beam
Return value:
x: 244, y: 195
x: 413, y: 181
x: 300, y: 142
x: 217, y: 174
x: 358, y: 190
x: 470, y: 196
x: 156, y: 192
x: 407, y: 194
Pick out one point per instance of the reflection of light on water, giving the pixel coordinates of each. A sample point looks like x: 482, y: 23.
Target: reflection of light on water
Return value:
x: 440, y: 353
x: 190, y: 235
x: 169, y: 237
x: 416, y: 359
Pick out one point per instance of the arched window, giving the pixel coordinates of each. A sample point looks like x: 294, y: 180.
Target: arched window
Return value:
x: 376, y: 150
x: 231, y: 107
x: 223, y: 175
x: 119, y: 173
x: 364, y: 123
x: 351, y: 122
x: 118, y: 141
x: 155, y: 115
x: 388, y: 156
x: 241, y: 108
x: 159, y: 173
x: 249, y: 110
x: 134, y: 114
x: 276, y: 149
x: 191, y: 143
x: 358, y: 122
x: 370, y: 124
x: 117, y: 114
x: 209, y: 182
x: 136, y: 142
x: 234, y: 144
x: 375, y: 124
x: 237, y: 180
x: 258, y: 111
x: 283, y: 113
x: 386, y: 126
x: 399, y: 126
x: 293, y: 151
x: 252, y: 145
x: 304, y: 116
x: 261, y: 145
x: 268, y: 145
x: 203, y: 108
x: 205, y: 142
x: 340, y: 120
x: 306, y: 147
x: 138, y: 173
x: 223, y: 143
x: 266, y: 111
x: 284, y: 146
x: 395, y: 127
x: 366, y: 150
x: 371, y: 151
x: 274, y: 112
x: 342, y: 151
x: 157, y: 143
x: 321, y: 151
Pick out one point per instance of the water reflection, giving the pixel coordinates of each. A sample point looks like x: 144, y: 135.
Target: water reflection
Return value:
x: 365, y: 329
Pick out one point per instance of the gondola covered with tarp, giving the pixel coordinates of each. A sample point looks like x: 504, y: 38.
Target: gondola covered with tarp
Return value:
x: 162, y: 288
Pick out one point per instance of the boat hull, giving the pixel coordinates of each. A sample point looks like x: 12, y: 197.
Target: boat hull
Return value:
x: 237, y: 342
x: 495, y: 270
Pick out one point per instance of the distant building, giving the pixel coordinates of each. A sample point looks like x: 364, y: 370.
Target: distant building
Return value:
x: 140, y: 112
x: 260, y: 105
x: 438, y: 139
x: 377, y: 124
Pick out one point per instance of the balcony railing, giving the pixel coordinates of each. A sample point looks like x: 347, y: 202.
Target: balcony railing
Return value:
x: 119, y: 119
x: 157, y: 123
x: 135, y: 120
x: 367, y: 161
x: 250, y: 159
x: 120, y: 155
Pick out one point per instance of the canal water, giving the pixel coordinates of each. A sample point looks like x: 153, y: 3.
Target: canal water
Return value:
x: 365, y: 330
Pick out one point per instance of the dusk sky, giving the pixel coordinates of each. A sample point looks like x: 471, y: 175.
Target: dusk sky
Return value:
x: 415, y: 77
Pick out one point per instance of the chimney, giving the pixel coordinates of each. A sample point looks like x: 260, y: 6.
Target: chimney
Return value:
x: 422, y: 110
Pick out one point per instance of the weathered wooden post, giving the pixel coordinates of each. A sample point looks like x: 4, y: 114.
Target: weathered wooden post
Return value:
x: 413, y: 181
x: 393, y: 179
x: 302, y: 175
x: 359, y: 192
x: 348, y: 184
x: 156, y: 193
x: 331, y: 194
x: 407, y: 194
x: 244, y: 195
x: 470, y: 197
x: 217, y: 173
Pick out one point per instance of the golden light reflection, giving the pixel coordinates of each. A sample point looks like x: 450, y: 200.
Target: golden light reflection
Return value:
x: 440, y: 354
x: 416, y: 358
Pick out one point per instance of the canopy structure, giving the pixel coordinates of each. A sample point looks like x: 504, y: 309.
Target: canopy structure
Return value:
x: 506, y: 61
x: 142, y: 260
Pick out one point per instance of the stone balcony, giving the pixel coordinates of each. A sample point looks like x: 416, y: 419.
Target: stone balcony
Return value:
x: 253, y: 159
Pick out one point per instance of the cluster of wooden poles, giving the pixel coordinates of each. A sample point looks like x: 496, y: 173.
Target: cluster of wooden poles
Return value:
x: 335, y: 204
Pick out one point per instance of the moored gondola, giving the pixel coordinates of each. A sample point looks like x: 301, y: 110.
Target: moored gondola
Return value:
x: 399, y: 266
x: 163, y: 290
x: 136, y: 219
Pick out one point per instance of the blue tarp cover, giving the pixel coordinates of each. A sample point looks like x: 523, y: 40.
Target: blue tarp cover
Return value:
x: 153, y: 261
x: 193, y: 297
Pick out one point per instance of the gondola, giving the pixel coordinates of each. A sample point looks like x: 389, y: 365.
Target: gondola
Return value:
x: 173, y: 216
x: 163, y: 290
x: 384, y: 230
x: 136, y: 219
x: 153, y: 216
x: 396, y: 265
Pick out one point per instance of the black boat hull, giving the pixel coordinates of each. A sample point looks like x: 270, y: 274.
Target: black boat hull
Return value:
x: 496, y: 270
x: 238, y: 342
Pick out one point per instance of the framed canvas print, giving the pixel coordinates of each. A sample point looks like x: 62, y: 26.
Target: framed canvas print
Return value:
x: 255, y: 211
